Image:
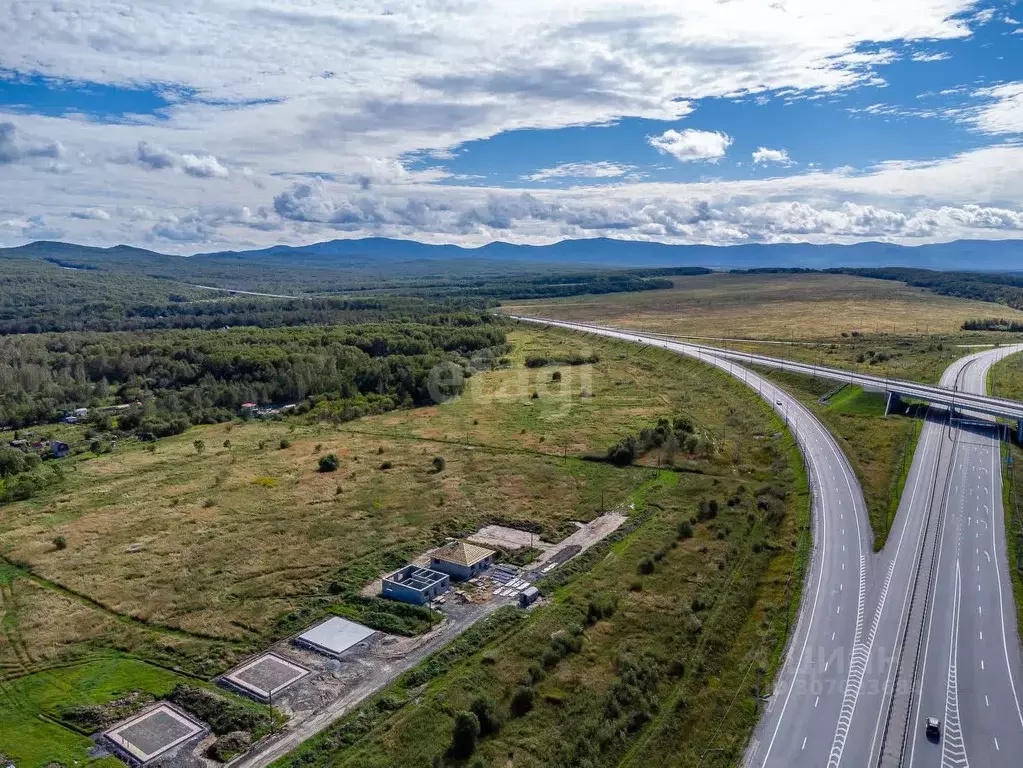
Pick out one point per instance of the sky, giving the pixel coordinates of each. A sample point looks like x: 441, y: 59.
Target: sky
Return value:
x: 205, y: 125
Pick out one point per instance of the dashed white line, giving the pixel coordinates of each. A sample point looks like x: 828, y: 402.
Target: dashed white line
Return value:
x: 982, y: 663
x: 986, y: 702
x: 818, y: 701
x: 804, y: 744
x: 997, y: 748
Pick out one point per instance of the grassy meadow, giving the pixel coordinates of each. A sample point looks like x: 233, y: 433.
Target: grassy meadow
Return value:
x: 774, y: 306
x: 207, y: 548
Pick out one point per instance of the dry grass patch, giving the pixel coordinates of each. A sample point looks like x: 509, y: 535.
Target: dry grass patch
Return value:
x: 811, y: 306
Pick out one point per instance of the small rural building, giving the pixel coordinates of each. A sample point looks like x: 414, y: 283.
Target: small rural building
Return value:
x: 416, y: 585
x: 59, y: 450
x: 19, y: 444
x: 81, y: 412
x: 461, y: 560
x: 528, y: 596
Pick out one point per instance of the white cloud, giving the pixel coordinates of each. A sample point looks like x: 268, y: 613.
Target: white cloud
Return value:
x: 262, y: 104
x: 983, y: 16
x: 692, y: 145
x: 763, y: 156
x: 16, y: 147
x: 924, y: 57
x: 598, y: 170
x: 1004, y: 114
x: 155, y: 158
x: 95, y: 214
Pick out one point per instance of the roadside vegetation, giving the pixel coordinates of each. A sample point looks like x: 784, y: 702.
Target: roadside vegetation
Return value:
x: 1006, y: 380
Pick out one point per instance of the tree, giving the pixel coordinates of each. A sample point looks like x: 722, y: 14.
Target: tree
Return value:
x: 465, y: 734
x: 227, y: 444
x: 556, y: 376
x: 329, y: 463
x: 439, y: 463
x: 12, y: 461
x: 200, y: 446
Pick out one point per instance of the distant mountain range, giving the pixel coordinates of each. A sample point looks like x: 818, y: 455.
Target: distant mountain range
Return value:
x: 382, y: 253
x: 990, y: 255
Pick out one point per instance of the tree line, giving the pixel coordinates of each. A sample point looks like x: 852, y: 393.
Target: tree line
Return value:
x: 192, y: 376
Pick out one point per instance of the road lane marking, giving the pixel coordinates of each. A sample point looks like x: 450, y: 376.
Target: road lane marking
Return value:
x: 804, y: 744
x: 818, y: 701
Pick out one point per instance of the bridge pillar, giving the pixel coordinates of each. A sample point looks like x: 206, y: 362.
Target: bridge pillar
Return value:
x: 1019, y: 432
x: 894, y: 402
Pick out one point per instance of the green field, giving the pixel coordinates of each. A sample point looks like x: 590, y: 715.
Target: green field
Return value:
x: 193, y: 559
x: 654, y: 679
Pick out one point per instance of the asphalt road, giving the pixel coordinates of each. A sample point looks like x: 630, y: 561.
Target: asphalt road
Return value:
x: 971, y: 671
x: 925, y: 628
x: 933, y: 394
x: 807, y: 717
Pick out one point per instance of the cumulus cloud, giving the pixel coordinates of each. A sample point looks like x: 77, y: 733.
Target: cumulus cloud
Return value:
x: 763, y: 156
x: 817, y: 207
x: 156, y: 158
x: 691, y: 145
x: 599, y: 170
x: 94, y: 214
x: 16, y: 147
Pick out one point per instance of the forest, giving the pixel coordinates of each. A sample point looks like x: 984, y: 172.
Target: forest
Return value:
x: 190, y: 376
x: 71, y: 288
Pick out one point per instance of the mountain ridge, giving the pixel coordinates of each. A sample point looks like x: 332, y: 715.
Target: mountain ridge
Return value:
x: 972, y: 255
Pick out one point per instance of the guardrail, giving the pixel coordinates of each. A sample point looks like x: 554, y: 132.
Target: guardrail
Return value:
x: 935, y: 394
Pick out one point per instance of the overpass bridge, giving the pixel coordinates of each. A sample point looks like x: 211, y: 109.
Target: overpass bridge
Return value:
x: 953, y: 400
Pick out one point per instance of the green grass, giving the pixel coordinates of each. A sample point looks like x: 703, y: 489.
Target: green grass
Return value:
x: 31, y: 731
x: 709, y: 610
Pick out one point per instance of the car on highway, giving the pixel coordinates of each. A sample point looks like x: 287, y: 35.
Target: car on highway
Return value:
x: 933, y: 728
x: 778, y: 402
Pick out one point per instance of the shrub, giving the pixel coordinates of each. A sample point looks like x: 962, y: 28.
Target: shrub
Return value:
x: 329, y: 463
x: 387, y: 465
x: 439, y: 464
x: 522, y: 700
x: 685, y: 530
x: 59, y: 543
x: 465, y: 734
x: 227, y: 444
x: 199, y: 445
x: 222, y: 714
x: 624, y: 452
x: 486, y: 713
x: 646, y: 566
x: 284, y: 443
x: 556, y: 376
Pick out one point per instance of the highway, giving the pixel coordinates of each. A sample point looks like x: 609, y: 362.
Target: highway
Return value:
x: 970, y: 672
x: 807, y: 719
x: 934, y: 629
x: 943, y: 395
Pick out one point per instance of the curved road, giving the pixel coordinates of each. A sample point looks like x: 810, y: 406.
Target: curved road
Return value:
x: 808, y: 717
x: 925, y: 628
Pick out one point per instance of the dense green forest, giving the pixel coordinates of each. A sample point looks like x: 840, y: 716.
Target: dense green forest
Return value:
x: 192, y: 376
x: 41, y: 294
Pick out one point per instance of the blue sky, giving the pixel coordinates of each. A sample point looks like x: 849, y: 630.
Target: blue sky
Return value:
x: 221, y: 124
